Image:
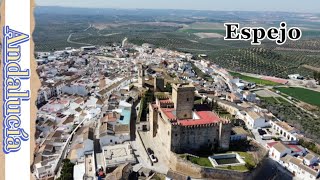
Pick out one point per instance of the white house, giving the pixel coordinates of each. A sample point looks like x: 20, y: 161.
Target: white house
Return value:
x: 299, y: 169
x: 285, y: 130
x: 278, y: 150
x: 254, y: 120
x: 310, y: 159
x: 112, y: 131
x: 79, y: 171
x: 45, y: 169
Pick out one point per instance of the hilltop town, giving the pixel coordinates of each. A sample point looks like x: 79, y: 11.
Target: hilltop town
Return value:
x: 140, y: 112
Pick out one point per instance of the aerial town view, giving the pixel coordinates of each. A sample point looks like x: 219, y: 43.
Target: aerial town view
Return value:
x: 157, y: 93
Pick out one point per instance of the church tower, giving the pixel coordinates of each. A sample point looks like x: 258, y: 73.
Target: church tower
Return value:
x: 141, y: 76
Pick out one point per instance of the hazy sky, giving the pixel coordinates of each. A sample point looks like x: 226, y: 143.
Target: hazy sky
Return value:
x: 228, y: 5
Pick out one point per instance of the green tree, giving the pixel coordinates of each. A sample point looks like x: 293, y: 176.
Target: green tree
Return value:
x: 67, y: 170
x: 316, y: 76
x: 168, y: 87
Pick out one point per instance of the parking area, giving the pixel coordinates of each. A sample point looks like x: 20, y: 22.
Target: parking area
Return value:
x: 259, y: 136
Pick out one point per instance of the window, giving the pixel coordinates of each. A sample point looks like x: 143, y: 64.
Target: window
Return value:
x: 111, y: 140
x: 187, y: 99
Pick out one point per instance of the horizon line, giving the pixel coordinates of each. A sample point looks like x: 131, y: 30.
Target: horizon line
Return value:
x: 119, y: 8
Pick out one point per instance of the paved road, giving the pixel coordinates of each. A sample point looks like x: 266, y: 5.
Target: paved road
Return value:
x: 144, y: 160
x: 70, y: 41
x: 271, y: 170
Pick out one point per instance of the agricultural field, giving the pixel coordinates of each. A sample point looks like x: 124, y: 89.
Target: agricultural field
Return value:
x: 302, y: 94
x: 182, y: 30
x: 254, y: 80
x: 303, y: 121
x: 264, y: 61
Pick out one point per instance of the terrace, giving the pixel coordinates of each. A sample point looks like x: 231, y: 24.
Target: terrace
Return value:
x: 118, y: 154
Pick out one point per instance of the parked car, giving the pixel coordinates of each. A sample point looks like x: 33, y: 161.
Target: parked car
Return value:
x: 153, y: 158
x: 261, y: 132
x: 266, y: 137
x: 150, y: 151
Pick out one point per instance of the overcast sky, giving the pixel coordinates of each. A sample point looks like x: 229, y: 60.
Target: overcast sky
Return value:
x: 222, y: 5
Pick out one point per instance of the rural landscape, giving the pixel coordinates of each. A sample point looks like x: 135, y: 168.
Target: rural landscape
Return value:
x: 196, y: 32
x: 149, y: 88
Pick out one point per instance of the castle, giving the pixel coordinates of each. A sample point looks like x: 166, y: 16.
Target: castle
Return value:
x: 181, y: 126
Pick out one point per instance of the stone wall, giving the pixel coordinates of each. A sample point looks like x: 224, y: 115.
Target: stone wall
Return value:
x: 225, y: 133
x: 187, y: 139
x: 153, y: 120
x: 164, y: 135
x: 184, y: 167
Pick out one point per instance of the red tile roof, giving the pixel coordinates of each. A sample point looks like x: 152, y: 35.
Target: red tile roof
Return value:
x: 295, y: 148
x: 272, y: 144
x: 165, y: 101
x: 169, y: 112
x: 206, y: 117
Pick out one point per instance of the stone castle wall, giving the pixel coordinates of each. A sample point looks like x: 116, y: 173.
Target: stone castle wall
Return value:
x: 153, y: 120
x: 164, y: 135
x: 181, y: 168
x: 225, y: 133
x: 186, y: 139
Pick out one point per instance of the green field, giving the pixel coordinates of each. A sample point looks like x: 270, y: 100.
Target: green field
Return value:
x: 305, y: 95
x: 255, y: 80
x: 201, y: 161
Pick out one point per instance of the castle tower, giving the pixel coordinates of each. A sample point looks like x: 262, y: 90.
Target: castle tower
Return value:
x: 141, y: 76
x: 158, y: 84
x: 183, y: 99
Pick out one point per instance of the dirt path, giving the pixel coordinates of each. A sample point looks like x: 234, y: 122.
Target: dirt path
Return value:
x: 74, y: 42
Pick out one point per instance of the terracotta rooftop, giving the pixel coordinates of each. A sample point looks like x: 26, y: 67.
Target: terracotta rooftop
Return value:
x: 70, y: 119
x: 79, y: 100
x: 295, y: 148
x: 279, y: 146
x: 205, y: 117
